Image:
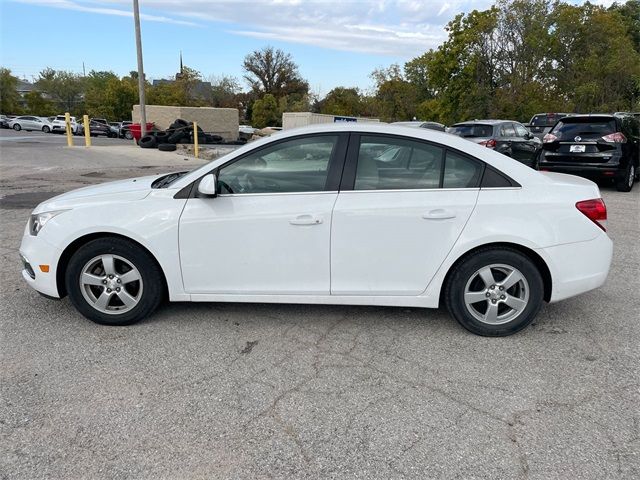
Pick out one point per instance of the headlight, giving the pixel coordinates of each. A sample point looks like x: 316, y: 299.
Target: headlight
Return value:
x: 39, y: 220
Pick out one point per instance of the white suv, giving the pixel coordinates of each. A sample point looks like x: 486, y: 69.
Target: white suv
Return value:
x: 58, y: 125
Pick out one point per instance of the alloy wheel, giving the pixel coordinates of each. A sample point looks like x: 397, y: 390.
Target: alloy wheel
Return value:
x: 496, y: 294
x: 111, y: 284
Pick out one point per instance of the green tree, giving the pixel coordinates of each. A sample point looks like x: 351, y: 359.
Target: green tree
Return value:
x: 9, y: 97
x: 64, y: 88
x: 265, y: 112
x: 597, y: 66
x: 630, y: 15
x: 396, y: 99
x: 121, y: 95
x: 38, y: 105
x: 342, y: 101
x: 95, y: 100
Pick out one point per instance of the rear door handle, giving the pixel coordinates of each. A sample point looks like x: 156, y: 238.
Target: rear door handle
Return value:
x: 306, y: 220
x: 439, y: 214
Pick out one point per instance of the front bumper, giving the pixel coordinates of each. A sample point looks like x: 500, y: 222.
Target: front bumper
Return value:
x: 578, y: 267
x: 36, y: 252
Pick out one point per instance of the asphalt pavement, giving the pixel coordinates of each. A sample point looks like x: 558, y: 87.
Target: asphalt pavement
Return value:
x: 304, y: 391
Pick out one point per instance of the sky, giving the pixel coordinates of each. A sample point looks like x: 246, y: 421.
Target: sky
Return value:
x: 334, y: 42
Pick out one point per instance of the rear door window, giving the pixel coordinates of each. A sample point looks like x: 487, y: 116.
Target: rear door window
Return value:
x: 507, y: 130
x: 386, y: 163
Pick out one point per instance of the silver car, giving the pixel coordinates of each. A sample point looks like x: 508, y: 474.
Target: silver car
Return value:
x: 29, y: 123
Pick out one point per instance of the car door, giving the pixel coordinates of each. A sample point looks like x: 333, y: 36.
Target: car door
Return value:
x: 395, y: 222
x: 525, y: 144
x: 28, y: 123
x: 268, y: 229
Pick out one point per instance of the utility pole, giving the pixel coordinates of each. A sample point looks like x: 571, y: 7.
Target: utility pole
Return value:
x: 143, y: 113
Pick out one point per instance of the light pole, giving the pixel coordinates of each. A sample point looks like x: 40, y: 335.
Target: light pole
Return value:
x: 143, y: 113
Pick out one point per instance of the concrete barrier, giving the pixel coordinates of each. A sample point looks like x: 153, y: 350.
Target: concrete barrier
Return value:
x: 220, y: 121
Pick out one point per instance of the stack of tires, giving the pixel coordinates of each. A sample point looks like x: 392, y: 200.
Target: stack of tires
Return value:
x: 180, y: 131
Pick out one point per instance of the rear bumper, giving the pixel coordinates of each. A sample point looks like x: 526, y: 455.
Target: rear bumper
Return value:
x: 578, y: 267
x: 612, y: 166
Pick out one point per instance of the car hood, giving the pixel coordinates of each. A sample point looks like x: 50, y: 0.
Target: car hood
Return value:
x: 119, y: 191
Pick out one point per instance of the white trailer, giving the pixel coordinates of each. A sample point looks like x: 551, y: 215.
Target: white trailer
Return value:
x: 302, y: 119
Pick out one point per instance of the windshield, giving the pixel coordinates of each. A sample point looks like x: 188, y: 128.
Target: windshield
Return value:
x: 472, y: 130
x: 545, y: 120
x: 587, y: 127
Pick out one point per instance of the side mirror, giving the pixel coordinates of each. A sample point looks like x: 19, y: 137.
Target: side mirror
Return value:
x: 207, y: 186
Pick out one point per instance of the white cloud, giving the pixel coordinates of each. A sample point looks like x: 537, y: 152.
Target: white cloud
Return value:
x: 398, y: 28
x: 92, y: 7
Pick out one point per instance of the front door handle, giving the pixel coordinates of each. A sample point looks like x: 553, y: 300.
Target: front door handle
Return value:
x: 439, y: 214
x: 306, y: 220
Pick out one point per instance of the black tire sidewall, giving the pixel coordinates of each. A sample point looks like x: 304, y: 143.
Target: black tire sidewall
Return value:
x: 17, y: 129
x: 622, y: 183
x: 147, y: 266
x: 454, y: 290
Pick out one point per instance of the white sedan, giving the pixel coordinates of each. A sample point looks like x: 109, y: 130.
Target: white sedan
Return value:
x: 29, y: 123
x: 336, y: 214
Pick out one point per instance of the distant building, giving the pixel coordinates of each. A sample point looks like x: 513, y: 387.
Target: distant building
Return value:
x: 24, y: 87
x: 200, y: 89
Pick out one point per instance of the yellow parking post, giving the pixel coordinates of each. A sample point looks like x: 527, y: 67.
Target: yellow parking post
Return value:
x: 67, y: 126
x: 87, y: 131
x: 195, y: 139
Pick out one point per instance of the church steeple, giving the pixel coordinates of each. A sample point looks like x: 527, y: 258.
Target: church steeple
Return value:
x: 181, y: 67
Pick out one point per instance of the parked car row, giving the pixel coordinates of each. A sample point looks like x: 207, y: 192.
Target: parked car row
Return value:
x: 57, y: 124
x: 595, y: 146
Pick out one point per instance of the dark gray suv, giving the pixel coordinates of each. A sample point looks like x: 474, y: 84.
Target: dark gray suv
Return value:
x: 595, y: 146
x: 505, y: 136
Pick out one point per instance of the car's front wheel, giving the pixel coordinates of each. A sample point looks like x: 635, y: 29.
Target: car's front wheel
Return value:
x: 495, y: 292
x: 17, y: 127
x: 46, y: 129
x: 113, y: 281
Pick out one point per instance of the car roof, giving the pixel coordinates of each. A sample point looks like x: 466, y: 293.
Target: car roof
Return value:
x: 485, y: 122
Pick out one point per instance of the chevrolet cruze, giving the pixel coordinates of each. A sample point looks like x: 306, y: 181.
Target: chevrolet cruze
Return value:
x: 339, y: 214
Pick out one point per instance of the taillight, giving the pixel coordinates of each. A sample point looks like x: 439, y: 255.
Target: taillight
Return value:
x: 549, y: 137
x: 617, y: 137
x: 491, y: 143
x: 595, y: 210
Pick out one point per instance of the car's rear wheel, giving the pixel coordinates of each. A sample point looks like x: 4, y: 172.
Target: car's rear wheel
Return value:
x: 128, y: 135
x: 625, y: 182
x: 17, y: 127
x: 113, y: 281
x: 495, y: 292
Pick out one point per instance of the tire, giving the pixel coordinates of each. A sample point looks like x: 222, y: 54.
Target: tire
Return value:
x: 161, y: 137
x: 144, y: 293
x: 180, y: 123
x: 175, y: 137
x: 46, y: 129
x: 148, y: 141
x: 466, y: 282
x: 128, y: 135
x: 167, y: 147
x: 626, y: 181
x: 17, y: 127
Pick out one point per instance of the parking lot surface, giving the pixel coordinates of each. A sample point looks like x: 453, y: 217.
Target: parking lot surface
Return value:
x: 300, y: 391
